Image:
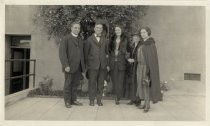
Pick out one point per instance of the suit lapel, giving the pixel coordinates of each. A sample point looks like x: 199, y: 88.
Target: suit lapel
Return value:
x: 95, y: 40
x: 80, y: 44
x: 101, y: 41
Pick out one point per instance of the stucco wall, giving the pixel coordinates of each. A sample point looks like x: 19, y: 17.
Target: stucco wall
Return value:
x: 180, y: 38
x: 46, y: 54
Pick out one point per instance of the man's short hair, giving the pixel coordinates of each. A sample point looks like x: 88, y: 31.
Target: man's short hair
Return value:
x: 75, y: 22
x: 99, y: 23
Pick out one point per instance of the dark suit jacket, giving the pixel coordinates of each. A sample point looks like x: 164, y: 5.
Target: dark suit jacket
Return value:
x: 96, y: 53
x: 121, y: 57
x: 71, y: 53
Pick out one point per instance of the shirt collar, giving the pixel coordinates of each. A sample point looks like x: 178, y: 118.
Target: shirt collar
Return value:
x: 74, y: 34
x: 96, y: 35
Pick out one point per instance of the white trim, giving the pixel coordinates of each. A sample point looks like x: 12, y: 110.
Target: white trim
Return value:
x: 13, y: 98
x: 18, y: 34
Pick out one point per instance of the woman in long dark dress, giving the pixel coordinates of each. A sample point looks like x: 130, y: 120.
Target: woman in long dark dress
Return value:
x: 118, y: 51
x: 128, y: 73
x: 148, y: 80
x: 132, y: 66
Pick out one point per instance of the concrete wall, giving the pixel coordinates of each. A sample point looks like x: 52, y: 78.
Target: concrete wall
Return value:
x: 179, y: 33
x: 180, y: 38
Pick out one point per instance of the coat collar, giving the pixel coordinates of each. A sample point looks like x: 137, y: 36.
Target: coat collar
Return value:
x: 96, y: 41
x: 121, y: 42
x: 149, y: 41
x: 75, y: 40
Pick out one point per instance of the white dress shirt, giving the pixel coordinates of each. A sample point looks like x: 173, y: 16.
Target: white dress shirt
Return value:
x: 98, y: 38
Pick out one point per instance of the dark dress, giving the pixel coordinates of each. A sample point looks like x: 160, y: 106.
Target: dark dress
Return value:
x: 117, y: 65
x: 128, y: 73
x: 131, y: 80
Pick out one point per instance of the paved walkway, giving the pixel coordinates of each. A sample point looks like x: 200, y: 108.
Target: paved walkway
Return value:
x: 173, y: 108
x: 185, y: 101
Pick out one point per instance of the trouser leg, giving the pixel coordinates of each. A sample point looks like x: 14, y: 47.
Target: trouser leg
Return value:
x: 67, y: 87
x: 92, y: 84
x: 100, y: 84
x: 75, y: 83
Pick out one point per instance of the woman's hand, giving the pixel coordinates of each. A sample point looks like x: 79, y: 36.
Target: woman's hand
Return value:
x: 130, y: 60
x: 108, y: 68
x: 146, y: 82
x: 67, y: 69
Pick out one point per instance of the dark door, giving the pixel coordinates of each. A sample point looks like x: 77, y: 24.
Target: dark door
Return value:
x: 19, y: 68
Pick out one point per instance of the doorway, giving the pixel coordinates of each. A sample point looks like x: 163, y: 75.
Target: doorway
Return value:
x: 17, y: 63
x: 19, y: 68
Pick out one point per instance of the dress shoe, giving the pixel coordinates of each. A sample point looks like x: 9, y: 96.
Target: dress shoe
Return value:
x: 99, y: 103
x: 130, y: 103
x: 91, y: 103
x: 154, y: 102
x: 76, y: 103
x: 146, y: 109
x: 68, y: 105
x: 117, y: 101
x: 137, y: 103
x: 141, y: 106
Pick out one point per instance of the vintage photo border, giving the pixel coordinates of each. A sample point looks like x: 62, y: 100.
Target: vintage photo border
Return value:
x: 4, y: 122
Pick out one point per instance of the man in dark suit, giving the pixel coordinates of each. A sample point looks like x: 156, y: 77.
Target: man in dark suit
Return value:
x: 72, y: 60
x: 96, y: 57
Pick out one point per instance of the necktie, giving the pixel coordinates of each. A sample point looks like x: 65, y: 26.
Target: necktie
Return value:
x: 98, y: 37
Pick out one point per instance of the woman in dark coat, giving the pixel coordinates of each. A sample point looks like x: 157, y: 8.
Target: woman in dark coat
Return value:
x: 129, y: 72
x: 132, y: 65
x: 118, y: 51
x: 148, y: 80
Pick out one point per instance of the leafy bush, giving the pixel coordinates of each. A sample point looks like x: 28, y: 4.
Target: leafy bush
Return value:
x: 45, y: 85
x: 57, y: 19
x: 163, y: 86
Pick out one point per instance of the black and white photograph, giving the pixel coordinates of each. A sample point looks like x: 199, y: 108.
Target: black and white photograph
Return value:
x: 105, y: 63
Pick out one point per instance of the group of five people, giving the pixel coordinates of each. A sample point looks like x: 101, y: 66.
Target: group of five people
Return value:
x: 132, y: 62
